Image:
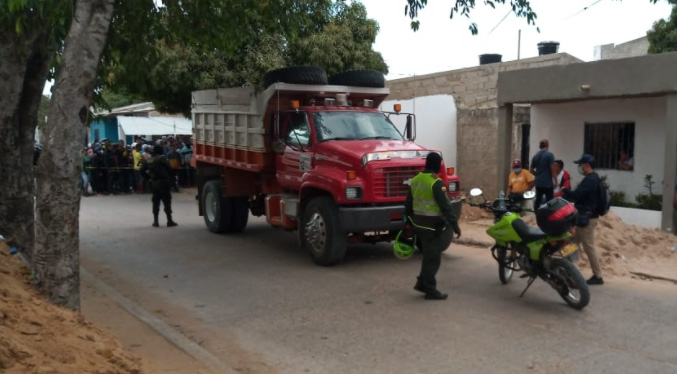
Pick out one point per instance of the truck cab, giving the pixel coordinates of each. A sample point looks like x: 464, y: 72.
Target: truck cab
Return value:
x: 331, y: 165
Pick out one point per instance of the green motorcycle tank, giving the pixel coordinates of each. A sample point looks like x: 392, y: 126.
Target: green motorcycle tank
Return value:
x: 503, y: 232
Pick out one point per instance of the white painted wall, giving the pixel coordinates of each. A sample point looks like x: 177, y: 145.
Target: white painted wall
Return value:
x: 435, y: 123
x: 563, y: 125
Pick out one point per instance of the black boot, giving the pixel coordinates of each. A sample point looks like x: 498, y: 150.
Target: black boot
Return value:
x: 170, y: 222
x: 155, y: 220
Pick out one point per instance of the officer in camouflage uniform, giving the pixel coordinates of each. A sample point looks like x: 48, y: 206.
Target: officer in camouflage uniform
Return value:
x: 157, y: 170
x: 429, y: 211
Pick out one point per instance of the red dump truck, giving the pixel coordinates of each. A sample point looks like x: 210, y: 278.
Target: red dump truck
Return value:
x: 317, y: 158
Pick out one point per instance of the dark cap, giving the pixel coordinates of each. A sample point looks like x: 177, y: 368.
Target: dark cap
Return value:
x: 433, y: 162
x: 517, y: 164
x: 585, y: 159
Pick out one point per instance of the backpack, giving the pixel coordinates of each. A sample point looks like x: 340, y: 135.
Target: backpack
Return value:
x: 604, y: 199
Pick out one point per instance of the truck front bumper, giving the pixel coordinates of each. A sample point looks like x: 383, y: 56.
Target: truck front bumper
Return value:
x: 378, y: 218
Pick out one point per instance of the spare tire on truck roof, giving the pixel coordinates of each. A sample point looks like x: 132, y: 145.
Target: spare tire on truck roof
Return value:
x: 295, y: 74
x: 359, y: 78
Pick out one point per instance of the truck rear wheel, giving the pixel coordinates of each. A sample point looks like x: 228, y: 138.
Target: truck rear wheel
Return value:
x: 321, y: 232
x: 240, y: 216
x: 216, y: 207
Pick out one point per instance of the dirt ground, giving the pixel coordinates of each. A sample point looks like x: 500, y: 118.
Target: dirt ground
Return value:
x: 37, y: 337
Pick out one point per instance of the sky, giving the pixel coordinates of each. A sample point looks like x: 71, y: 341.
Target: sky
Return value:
x: 442, y: 44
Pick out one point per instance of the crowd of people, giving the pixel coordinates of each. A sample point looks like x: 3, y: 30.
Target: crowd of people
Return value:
x: 550, y: 180
x: 115, y: 168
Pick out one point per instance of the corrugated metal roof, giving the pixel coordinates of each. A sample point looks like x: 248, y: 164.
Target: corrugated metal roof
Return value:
x: 155, y: 125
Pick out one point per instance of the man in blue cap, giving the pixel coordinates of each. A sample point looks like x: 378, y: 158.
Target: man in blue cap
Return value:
x: 586, y: 197
x: 429, y: 211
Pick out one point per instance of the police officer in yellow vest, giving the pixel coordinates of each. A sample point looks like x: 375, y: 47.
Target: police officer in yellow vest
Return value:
x: 429, y: 211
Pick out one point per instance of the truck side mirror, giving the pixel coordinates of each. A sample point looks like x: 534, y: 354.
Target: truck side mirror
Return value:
x: 409, y: 128
x: 279, y: 146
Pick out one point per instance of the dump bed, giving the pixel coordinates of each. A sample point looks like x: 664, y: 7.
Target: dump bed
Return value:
x: 229, y: 124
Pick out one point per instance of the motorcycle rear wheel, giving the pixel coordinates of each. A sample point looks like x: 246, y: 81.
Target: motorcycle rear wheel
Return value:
x: 505, y: 265
x: 576, y: 292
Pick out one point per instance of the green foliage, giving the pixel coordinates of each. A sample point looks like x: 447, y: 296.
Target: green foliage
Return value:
x: 618, y: 199
x: 164, y: 62
x: 344, y: 43
x: 663, y: 35
x: 650, y: 202
x: 521, y: 8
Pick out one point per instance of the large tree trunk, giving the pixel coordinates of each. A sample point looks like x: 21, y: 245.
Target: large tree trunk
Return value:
x: 24, y: 61
x: 56, y: 258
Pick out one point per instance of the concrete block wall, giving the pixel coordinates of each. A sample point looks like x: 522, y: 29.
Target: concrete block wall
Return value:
x: 477, y: 131
x: 473, y: 87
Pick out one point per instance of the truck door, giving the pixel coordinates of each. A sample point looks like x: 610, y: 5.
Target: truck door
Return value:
x: 298, y: 156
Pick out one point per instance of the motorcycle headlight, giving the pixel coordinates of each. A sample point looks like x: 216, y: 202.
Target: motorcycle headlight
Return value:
x: 353, y: 193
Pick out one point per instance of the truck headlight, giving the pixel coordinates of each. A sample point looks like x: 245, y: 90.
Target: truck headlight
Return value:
x: 353, y: 193
x: 453, y: 186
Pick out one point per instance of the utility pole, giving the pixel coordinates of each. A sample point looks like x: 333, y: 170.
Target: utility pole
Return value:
x: 519, y: 43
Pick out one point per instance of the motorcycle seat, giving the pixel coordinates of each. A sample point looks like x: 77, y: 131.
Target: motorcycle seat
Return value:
x: 527, y: 233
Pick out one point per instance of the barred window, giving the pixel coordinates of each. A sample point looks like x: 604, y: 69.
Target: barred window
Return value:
x: 611, y: 144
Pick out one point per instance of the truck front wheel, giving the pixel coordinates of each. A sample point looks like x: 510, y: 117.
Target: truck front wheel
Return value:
x: 216, y: 207
x: 321, y: 232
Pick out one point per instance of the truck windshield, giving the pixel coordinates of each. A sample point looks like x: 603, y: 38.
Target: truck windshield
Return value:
x: 353, y: 126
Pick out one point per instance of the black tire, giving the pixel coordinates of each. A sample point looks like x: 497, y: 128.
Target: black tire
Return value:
x: 240, y: 215
x: 217, y: 210
x: 321, y: 233
x: 295, y: 74
x: 505, y: 266
x: 359, y: 78
x: 573, y: 281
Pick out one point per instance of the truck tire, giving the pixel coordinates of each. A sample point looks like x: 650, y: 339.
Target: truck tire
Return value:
x: 217, y: 209
x: 359, y: 78
x: 321, y: 232
x: 295, y: 74
x: 240, y: 215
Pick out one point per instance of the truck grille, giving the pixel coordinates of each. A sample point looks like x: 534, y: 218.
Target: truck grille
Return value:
x: 394, y: 181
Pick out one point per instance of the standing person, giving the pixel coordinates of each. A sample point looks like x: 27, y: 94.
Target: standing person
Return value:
x: 175, y: 161
x: 159, y: 173
x: 586, y: 197
x: 520, y: 180
x: 137, y: 158
x: 429, y: 211
x: 187, y: 154
x: 542, y: 167
x: 561, y: 180
x: 86, y: 164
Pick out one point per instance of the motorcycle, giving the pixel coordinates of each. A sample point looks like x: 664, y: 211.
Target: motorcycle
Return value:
x: 544, y: 252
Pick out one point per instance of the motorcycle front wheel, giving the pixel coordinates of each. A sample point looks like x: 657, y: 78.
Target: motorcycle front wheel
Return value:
x: 506, y: 265
x: 575, y: 290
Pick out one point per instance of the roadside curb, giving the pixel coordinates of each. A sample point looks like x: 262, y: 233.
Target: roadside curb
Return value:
x: 190, y: 347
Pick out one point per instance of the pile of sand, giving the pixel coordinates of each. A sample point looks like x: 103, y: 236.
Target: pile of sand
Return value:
x: 38, y: 337
x: 631, y: 250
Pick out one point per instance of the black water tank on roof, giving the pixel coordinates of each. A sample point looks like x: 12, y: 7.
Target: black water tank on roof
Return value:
x: 490, y: 58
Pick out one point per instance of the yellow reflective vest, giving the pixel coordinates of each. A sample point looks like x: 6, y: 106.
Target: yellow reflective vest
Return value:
x: 424, y: 203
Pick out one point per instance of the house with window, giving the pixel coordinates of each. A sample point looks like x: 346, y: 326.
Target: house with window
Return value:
x: 622, y: 111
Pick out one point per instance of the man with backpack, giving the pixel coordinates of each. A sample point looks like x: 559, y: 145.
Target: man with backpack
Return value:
x: 591, y: 202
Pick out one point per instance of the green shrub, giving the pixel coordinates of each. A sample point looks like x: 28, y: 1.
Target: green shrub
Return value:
x: 618, y: 199
x: 649, y: 202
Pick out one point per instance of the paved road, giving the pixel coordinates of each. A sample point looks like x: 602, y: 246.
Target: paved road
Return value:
x: 258, y: 303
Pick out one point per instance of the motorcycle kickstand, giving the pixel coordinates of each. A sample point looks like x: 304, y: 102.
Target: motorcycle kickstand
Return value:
x: 531, y: 280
